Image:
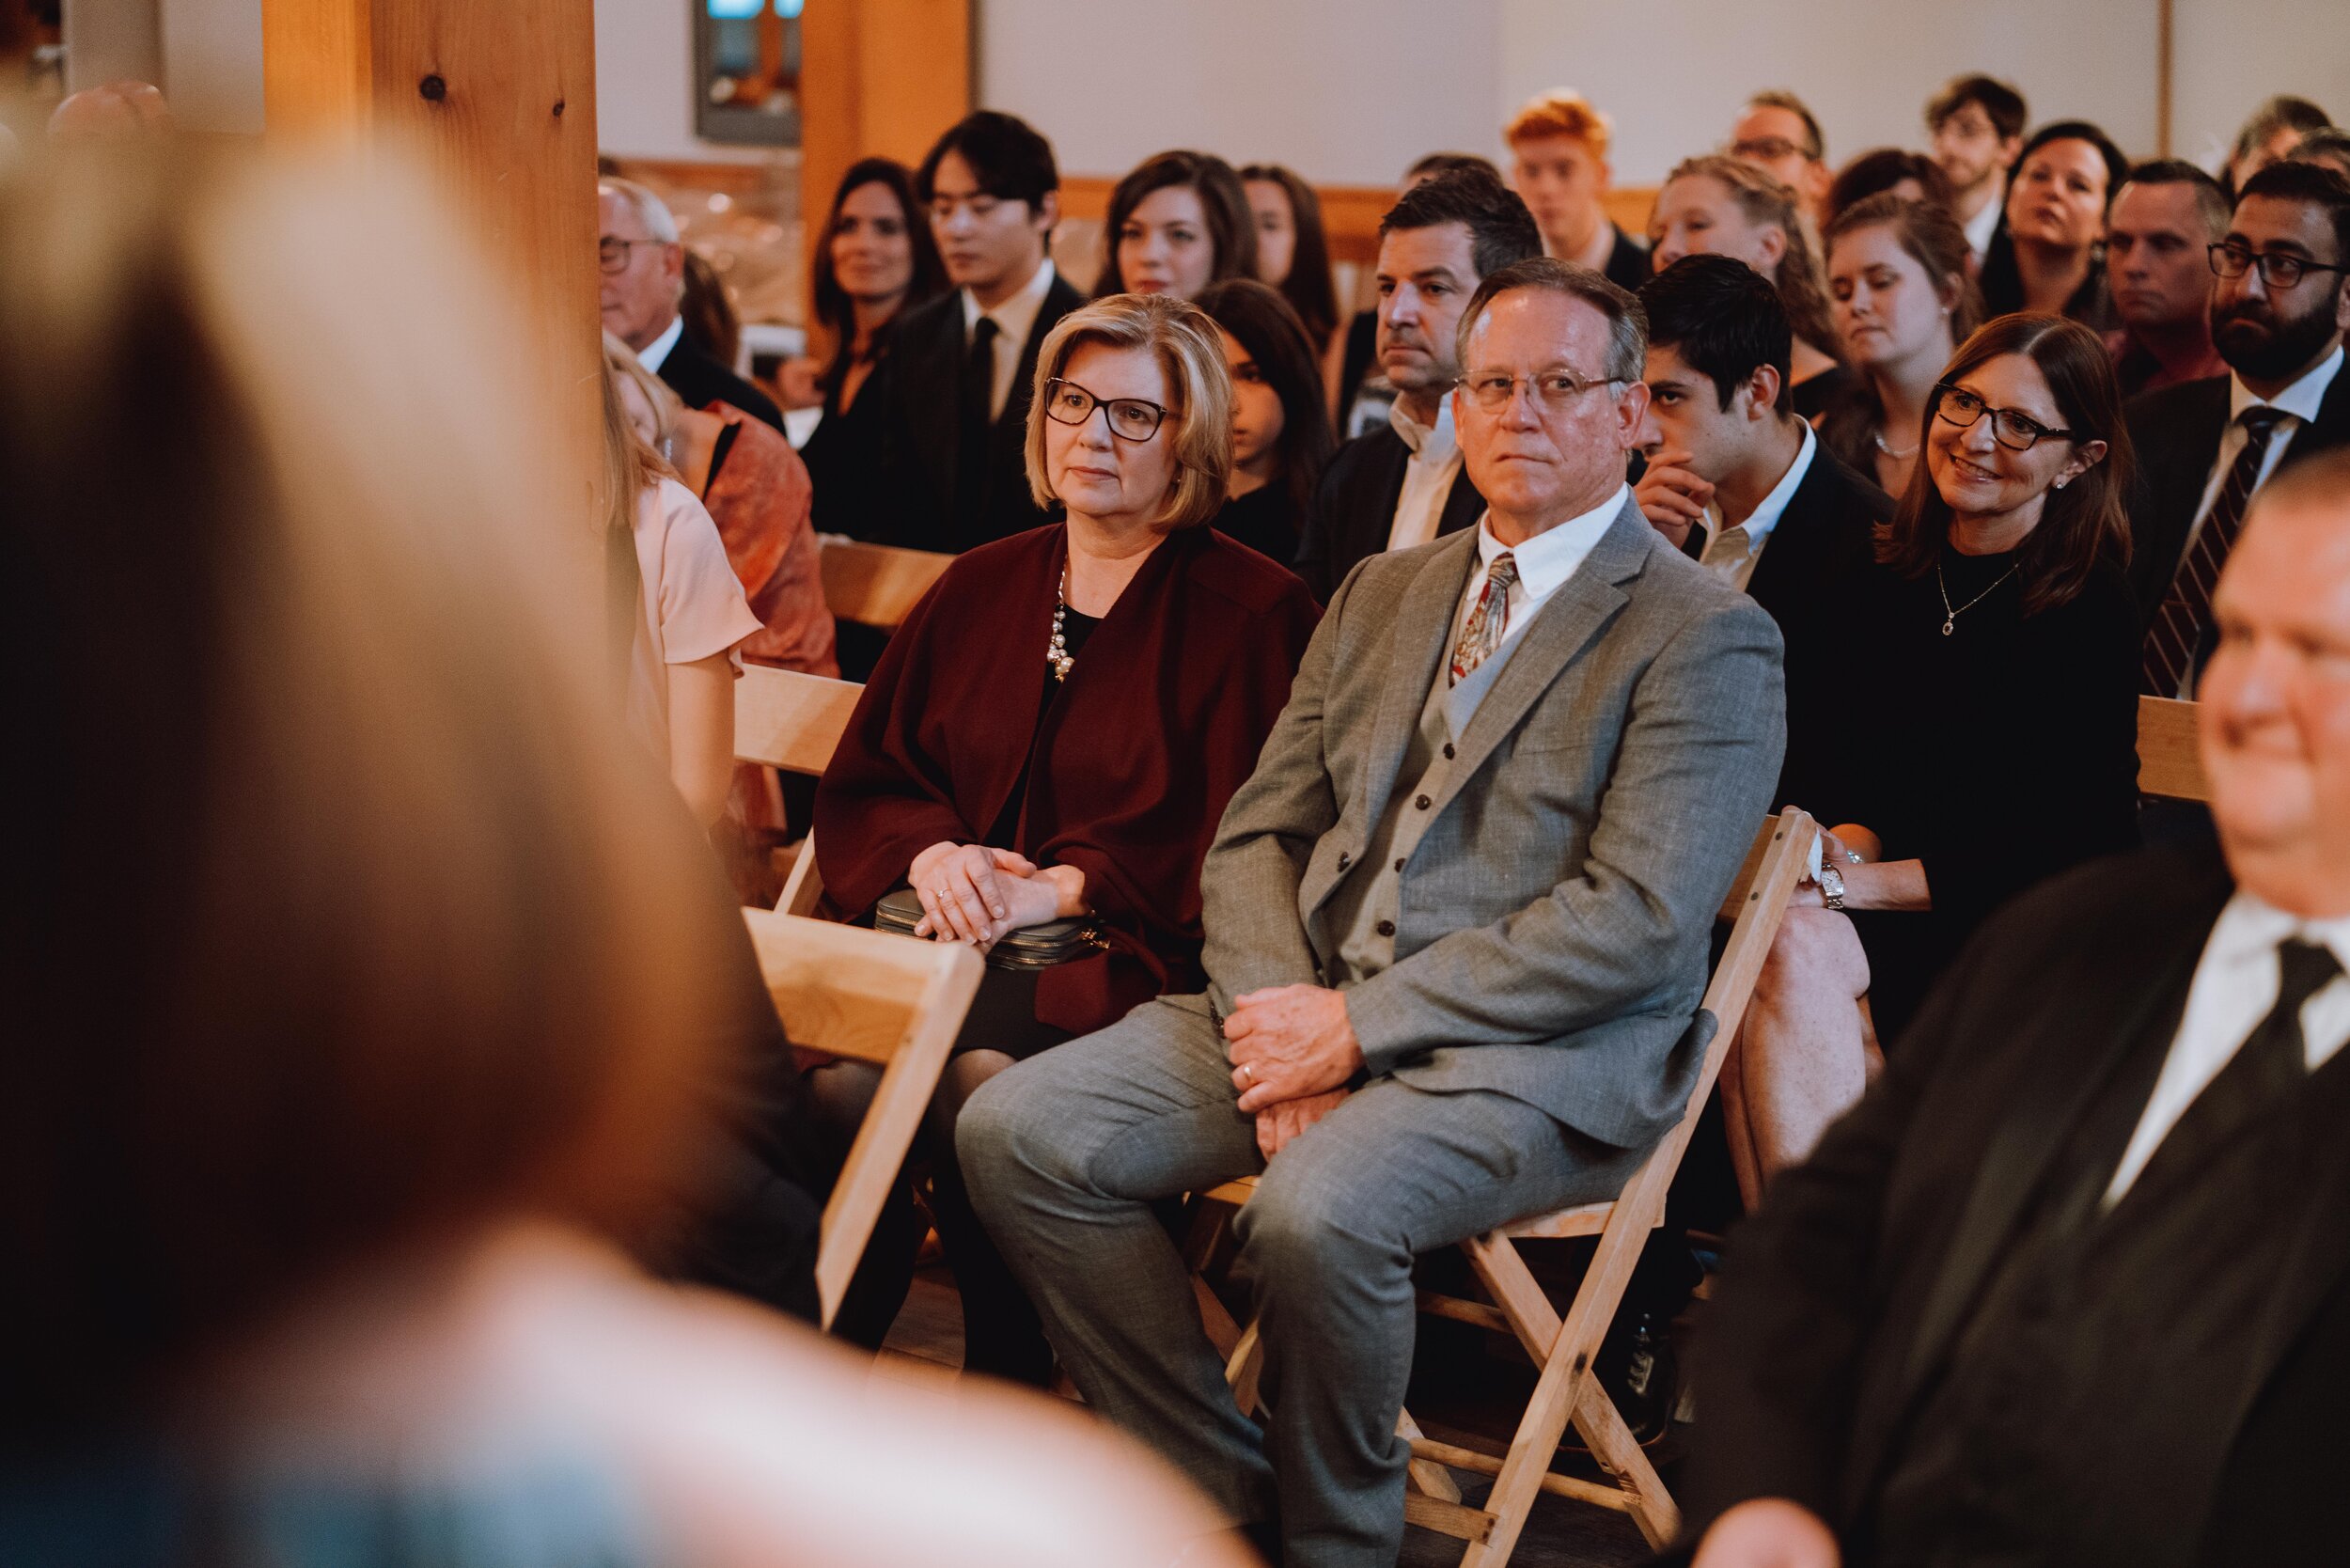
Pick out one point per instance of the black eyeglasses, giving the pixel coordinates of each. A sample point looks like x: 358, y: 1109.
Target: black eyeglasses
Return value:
x: 2012, y: 428
x: 1128, y: 419
x: 1769, y: 149
x: 2278, y: 269
x: 613, y: 255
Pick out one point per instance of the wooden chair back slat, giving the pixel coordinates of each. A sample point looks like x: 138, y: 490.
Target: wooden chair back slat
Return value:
x: 877, y: 584
x: 790, y: 721
x: 2170, y: 759
x: 890, y: 1000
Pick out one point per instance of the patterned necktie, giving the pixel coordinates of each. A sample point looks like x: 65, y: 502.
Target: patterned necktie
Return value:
x: 1488, y: 619
x: 2177, y: 633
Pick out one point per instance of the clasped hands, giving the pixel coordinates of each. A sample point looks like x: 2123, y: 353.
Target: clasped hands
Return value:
x: 972, y: 893
x: 1292, y: 1050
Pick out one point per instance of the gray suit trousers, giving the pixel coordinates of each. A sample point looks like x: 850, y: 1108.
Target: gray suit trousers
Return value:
x: 1065, y: 1152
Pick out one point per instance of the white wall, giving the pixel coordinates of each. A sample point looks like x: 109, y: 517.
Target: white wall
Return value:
x: 212, y: 64
x: 645, y: 83
x: 2234, y: 52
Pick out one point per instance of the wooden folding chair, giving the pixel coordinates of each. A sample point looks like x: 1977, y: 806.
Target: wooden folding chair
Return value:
x: 2170, y: 760
x: 793, y: 722
x: 1566, y: 1348
x: 891, y: 1000
x: 876, y: 585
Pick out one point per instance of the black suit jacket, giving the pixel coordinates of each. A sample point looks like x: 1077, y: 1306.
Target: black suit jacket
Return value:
x: 2176, y: 433
x: 1354, y: 508
x: 1843, y: 1294
x: 1627, y: 263
x: 701, y: 380
x: 910, y: 497
x: 1818, y: 544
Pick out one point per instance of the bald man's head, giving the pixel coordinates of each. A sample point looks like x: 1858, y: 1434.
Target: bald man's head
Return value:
x: 2275, y: 700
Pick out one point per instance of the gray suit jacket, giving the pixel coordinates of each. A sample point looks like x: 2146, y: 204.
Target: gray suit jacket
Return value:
x: 1553, y: 937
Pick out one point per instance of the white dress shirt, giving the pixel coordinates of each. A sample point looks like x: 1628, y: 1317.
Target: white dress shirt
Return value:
x: 1983, y: 225
x: 1544, y: 563
x: 2235, y: 985
x: 1015, y: 320
x: 657, y: 351
x: 2299, y: 401
x: 1428, y: 477
x: 1731, y: 553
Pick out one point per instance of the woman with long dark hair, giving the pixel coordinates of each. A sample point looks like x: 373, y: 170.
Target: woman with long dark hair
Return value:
x: 1282, y: 433
x: 2049, y: 252
x: 1178, y: 222
x: 1717, y: 206
x: 1293, y: 252
x: 1904, y: 299
x: 1993, y: 720
x: 875, y: 261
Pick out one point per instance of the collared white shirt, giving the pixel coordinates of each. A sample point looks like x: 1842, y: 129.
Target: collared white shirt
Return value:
x: 1428, y: 477
x: 1014, y: 318
x: 1544, y: 563
x: 657, y: 351
x: 2299, y: 401
x: 1983, y: 225
x: 2235, y: 985
x: 1731, y: 553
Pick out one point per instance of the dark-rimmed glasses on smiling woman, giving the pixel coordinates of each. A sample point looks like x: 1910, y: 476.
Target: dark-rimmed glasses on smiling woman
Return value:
x: 1551, y: 390
x: 2012, y: 428
x: 1128, y: 419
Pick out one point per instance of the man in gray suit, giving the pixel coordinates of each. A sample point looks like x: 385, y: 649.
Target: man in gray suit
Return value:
x: 1456, y: 939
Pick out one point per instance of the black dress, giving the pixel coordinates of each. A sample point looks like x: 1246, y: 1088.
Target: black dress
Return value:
x: 1999, y: 754
x: 1265, y: 520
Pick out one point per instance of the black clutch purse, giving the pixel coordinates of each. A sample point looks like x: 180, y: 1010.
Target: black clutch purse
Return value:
x: 1039, y: 946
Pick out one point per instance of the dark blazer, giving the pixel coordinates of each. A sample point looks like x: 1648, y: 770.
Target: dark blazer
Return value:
x: 701, y: 380
x: 1843, y: 1294
x: 1818, y: 543
x: 2176, y: 433
x: 1627, y: 263
x: 913, y: 487
x: 1354, y: 508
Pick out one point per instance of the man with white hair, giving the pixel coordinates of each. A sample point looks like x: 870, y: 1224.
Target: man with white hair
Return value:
x: 642, y: 265
x: 2071, y: 1285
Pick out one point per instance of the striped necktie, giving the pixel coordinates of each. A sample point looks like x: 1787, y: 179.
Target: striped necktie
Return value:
x: 1488, y: 619
x: 2177, y: 633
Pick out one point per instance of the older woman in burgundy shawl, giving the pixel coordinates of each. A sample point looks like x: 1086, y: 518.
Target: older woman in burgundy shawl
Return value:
x: 1053, y: 733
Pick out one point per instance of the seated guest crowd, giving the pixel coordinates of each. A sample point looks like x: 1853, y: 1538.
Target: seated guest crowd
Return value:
x: 1354, y: 815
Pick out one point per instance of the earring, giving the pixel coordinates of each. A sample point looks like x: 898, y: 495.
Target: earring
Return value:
x: 2062, y: 484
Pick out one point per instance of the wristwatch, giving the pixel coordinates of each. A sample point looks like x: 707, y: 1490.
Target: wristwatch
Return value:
x: 1832, y: 887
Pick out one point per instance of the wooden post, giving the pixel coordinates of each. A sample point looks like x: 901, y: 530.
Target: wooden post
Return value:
x: 500, y: 98
x: 877, y: 77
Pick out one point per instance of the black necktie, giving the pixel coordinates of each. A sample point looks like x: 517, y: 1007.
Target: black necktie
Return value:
x: 2176, y: 636
x: 971, y: 452
x: 2271, y: 1063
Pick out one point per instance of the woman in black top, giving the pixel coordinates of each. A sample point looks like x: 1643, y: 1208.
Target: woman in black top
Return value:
x: 1280, y: 431
x: 876, y: 262
x: 2048, y: 254
x: 1992, y: 719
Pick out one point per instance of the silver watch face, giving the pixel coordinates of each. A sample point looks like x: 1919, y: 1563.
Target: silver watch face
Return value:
x: 1831, y: 882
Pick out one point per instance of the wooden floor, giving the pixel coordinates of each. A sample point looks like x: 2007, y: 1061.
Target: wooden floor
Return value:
x: 925, y: 1350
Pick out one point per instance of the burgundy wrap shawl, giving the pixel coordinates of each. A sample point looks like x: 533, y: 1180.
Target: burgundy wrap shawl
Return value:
x: 1135, y: 760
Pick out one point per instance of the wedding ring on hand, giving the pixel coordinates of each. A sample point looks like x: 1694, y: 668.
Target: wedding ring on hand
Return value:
x: 1249, y: 1074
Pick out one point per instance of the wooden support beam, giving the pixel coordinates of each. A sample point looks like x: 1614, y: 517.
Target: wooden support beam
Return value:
x: 499, y: 103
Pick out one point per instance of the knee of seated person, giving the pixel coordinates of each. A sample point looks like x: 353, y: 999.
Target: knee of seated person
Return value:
x: 1810, y: 943
x: 1302, y: 1220
x: 1000, y: 1139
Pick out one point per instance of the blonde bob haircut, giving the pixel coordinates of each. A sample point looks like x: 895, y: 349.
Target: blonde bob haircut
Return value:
x: 1192, y: 357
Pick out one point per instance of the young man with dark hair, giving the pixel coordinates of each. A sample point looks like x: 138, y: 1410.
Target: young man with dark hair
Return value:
x: 1778, y: 132
x: 1405, y: 485
x: 1742, y: 484
x: 1977, y: 124
x: 2164, y: 221
x: 2279, y: 310
x: 955, y: 386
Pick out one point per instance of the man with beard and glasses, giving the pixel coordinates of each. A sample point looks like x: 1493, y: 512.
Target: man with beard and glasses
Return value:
x: 2279, y: 309
x: 1403, y: 485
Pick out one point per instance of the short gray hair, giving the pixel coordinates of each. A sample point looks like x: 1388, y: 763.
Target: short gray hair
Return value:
x: 651, y: 211
x: 1627, y: 323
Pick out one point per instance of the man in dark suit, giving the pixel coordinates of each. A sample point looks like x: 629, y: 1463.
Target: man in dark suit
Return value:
x: 1746, y: 488
x: 2071, y: 1285
x: 955, y: 391
x: 643, y: 277
x: 1559, y: 163
x: 1405, y: 485
x: 2204, y: 448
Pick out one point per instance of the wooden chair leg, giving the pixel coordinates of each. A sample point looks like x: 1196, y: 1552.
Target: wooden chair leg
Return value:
x: 1619, y: 1455
x: 1425, y: 1476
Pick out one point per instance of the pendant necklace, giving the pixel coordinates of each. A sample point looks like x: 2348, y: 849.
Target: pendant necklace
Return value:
x: 1949, y: 616
x: 1896, y: 453
x: 1056, y: 651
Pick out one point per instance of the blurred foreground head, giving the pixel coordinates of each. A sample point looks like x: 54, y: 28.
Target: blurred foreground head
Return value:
x: 339, y: 914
